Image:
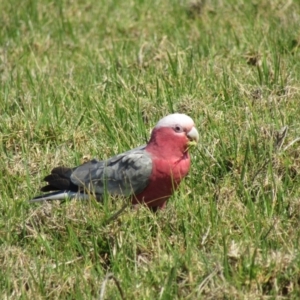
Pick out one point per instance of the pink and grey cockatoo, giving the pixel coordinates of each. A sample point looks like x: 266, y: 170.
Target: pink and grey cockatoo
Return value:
x: 148, y: 174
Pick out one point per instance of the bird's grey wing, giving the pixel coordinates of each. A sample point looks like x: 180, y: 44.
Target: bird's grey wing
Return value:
x: 123, y: 174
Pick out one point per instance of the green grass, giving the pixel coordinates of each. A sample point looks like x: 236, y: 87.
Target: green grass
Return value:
x: 90, y: 79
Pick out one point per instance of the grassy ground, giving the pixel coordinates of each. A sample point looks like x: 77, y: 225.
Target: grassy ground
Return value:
x: 83, y: 79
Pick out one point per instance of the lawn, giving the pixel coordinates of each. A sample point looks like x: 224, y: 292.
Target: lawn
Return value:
x: 83, y: 79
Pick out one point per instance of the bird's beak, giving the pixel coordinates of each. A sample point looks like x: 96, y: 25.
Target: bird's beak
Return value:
x: 193, y: 135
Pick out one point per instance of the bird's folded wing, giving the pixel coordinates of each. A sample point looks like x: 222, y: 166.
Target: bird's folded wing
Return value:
x: 125, y: 174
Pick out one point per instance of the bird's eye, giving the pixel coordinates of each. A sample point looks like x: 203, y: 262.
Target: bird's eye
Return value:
x: 178, y: 128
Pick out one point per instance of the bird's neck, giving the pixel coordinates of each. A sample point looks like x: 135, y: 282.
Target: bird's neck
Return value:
x: 165, y: 143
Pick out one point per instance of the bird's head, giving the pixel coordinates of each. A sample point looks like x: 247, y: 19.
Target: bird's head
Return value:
x: 174, y: 133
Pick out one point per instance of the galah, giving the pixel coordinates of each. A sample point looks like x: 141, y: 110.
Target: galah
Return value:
x: 148, y: 174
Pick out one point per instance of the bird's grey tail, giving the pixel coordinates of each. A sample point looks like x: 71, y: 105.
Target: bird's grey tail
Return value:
x: 60, y: 195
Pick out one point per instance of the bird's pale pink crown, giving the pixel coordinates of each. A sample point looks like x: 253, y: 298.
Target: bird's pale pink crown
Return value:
x: 176, y: 119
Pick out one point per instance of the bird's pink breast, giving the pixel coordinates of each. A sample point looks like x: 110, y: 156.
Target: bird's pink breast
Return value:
x: 165, y: 178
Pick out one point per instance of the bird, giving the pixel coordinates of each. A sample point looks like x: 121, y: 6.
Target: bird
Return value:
x: 147, y: 175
